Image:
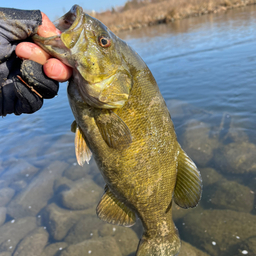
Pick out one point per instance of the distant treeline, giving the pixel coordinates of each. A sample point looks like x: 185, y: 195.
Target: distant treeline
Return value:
x: 139, y: 13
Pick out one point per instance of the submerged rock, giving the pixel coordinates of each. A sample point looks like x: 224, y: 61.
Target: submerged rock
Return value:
x: 62, y: 184
x: 197, y: 142
x: 106, y: 246
x: 189, y: 250
x: 3, y: 184
x: 209, y: 176
x: 76, y: 172
x: 58, y: 221
x: 5, y: 254
x: 126, y: 238
x: 6, y: 195
x: 236, y: 158
x: 83, y: 194
x: 248, y: 246
x: 18, y: 185
x: 36, y: 195
x: 178, y: 213
x: 91, y: 227
x: 2, y: 215
x: 13, y: 231
x: 252, y: 185
x: 18, y: 169
x: 58, y: 148
x: 33, y: 244
x: 1, y: 167
x: 86, y: 228
x: 229, y: 195
x: 235, y: 134
x: 181, y: 110
x: 52, y: 249
x: 216, y: 231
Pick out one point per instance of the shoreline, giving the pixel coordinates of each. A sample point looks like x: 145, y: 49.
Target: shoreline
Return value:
x: 164, y: 12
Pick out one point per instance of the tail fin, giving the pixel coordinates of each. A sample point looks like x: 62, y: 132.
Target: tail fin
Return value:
x: 159, y: 246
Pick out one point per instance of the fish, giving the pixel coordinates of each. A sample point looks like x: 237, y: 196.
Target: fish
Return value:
x: 122, y: 120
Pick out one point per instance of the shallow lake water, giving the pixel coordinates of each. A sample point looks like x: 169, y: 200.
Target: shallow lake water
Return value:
x: 206, y: 70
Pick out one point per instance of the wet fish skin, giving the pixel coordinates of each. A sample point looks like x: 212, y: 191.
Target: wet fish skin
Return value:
x: 124, y: 121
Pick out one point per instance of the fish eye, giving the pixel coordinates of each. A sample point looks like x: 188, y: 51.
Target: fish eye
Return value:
x: 104, y: 41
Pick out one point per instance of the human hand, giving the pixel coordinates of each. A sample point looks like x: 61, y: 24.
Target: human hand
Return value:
x: 52, y: 67
x: 16, y: 97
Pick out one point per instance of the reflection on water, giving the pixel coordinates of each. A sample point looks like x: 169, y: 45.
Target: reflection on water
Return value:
x: 205, y: 68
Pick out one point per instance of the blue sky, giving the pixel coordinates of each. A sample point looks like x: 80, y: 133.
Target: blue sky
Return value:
x: 56, y: 8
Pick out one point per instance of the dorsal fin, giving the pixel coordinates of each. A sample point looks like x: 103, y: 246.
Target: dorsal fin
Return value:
x: 113, y: 211
x: 83, y: 153
x: 113, y: 129
x: 188, y: 188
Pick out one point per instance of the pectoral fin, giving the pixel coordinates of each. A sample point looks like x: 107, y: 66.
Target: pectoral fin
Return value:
x: 188, y: 186
x: 83, y: 153
x: 113, y: 129
x: 111, y: 210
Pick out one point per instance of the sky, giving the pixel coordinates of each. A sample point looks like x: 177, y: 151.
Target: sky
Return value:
x: 56, y: 8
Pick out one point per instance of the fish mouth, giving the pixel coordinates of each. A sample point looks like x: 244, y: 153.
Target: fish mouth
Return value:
x: 71, y: 20
x: 59, y: 46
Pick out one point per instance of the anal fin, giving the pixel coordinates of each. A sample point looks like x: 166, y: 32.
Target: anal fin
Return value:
x: 188, y: 188
x: 113, y: 211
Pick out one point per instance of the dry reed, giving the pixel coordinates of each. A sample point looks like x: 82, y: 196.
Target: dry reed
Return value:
x: 136, y: 14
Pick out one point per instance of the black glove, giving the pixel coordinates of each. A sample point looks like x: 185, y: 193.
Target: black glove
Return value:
x: 23, y: 84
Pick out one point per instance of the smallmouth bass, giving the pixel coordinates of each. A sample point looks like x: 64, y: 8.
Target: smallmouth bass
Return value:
x: 121, y: 117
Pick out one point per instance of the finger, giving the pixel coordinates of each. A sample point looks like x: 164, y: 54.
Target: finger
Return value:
x: 33, y: 52
x: 30, y: 51
x: 47, y: 28
x: 56, y: 70
x: 53, y: 68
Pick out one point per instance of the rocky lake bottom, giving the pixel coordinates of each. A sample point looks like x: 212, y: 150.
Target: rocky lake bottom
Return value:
x: 47, y: 207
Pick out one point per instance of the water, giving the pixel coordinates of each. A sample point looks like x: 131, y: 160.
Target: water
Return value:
x: 205, y: 68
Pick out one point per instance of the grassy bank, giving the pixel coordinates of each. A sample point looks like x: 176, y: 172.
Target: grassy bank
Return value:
x: 136, y: 13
